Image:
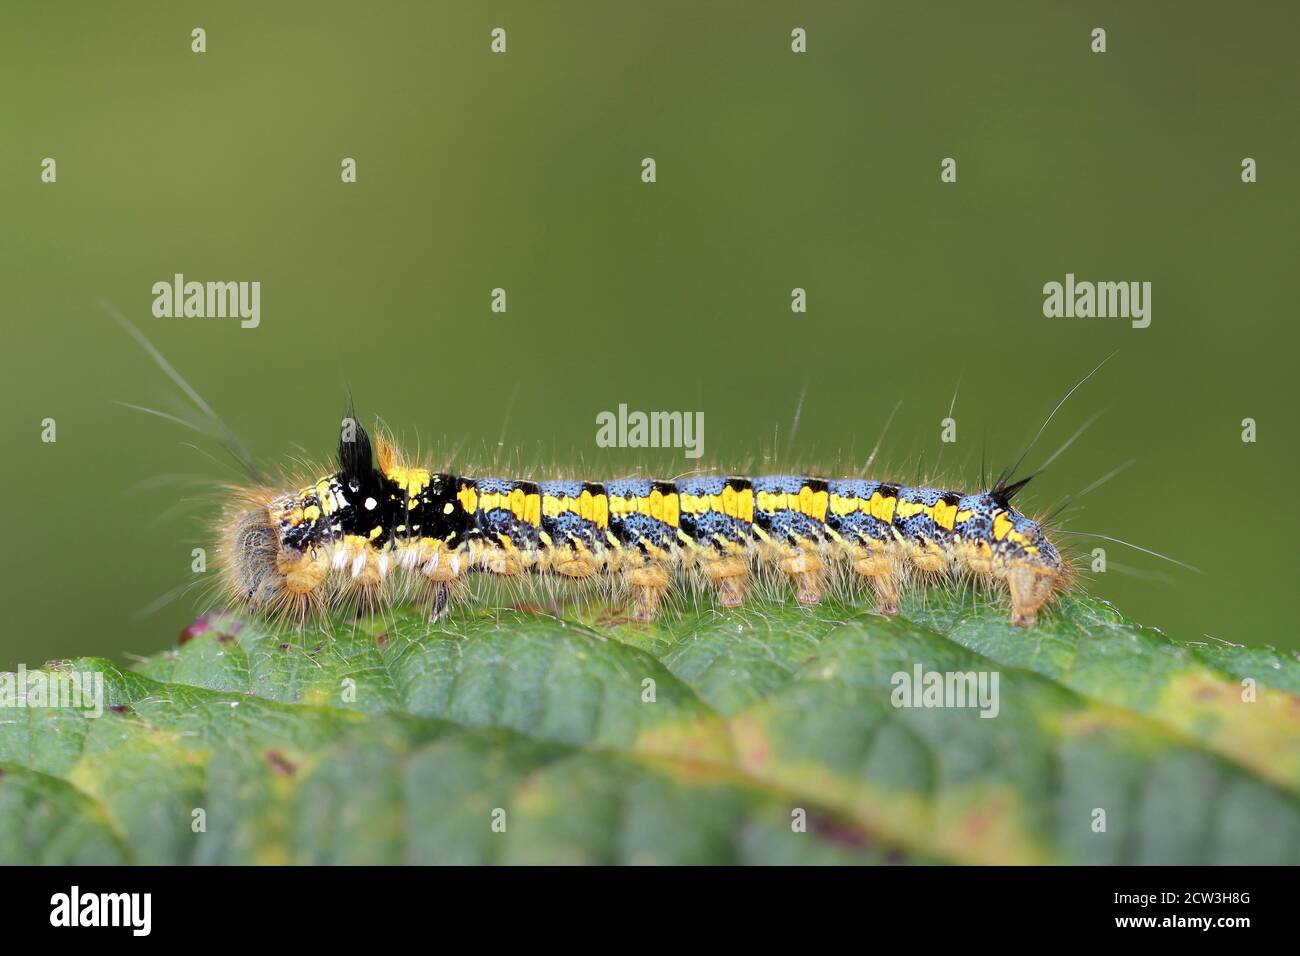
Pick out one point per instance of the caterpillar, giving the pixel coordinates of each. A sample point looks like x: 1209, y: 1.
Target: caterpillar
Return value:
x: 377, y: 518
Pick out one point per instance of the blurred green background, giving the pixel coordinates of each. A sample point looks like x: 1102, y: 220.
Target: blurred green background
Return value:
x: 775, y: 170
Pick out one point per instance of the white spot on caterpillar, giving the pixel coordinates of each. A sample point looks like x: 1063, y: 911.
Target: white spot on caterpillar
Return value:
x: 371, y: 504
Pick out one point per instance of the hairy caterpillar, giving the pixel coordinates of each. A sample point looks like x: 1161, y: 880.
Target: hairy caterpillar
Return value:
x: 379, y: 521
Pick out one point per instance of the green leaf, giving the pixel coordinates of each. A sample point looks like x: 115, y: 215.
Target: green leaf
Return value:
x: 393, y: 740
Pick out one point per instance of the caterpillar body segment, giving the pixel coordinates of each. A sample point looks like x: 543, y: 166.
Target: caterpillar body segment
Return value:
x: 369, y: 532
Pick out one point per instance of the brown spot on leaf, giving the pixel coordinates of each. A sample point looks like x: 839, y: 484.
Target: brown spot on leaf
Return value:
x: 841, y: 834
x: 979, y: 821
x: 381, y: 640
x: 119, y: 708
x: 226, y: 627
x: 280, y: 764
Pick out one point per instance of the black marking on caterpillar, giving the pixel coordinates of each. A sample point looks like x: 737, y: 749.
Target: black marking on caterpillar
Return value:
x: 369, y: 522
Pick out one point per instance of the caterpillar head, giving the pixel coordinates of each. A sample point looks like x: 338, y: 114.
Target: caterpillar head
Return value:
x: 269, y: 563
x: 277, y: 549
